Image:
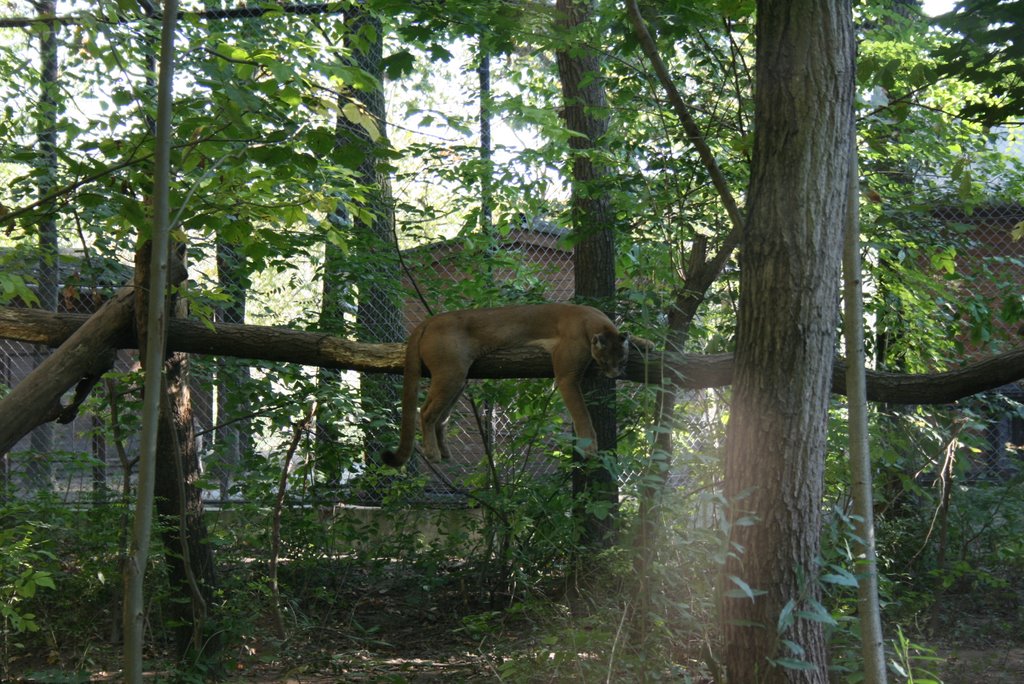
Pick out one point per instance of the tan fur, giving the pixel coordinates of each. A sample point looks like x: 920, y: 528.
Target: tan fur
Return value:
x: 449, y: 343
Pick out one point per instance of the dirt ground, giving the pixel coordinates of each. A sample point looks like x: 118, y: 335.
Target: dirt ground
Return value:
x: 407, y: 632
x: 425, y: 653
x: 994, y: 665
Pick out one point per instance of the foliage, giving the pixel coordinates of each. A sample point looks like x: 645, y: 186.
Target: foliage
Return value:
x: 987, y: 54
x: 26, y: 566
x: 912, y: 661
x: 265, y: 171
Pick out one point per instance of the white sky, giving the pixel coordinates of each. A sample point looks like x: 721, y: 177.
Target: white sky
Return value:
x: 934, y: 7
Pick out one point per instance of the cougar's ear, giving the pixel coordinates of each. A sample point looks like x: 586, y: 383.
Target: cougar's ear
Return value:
x: 597, y: 341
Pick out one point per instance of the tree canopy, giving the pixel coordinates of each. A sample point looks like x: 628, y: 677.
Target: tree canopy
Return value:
x: 340, y: 170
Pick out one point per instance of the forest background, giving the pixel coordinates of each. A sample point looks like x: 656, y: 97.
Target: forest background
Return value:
x: 333, y: 163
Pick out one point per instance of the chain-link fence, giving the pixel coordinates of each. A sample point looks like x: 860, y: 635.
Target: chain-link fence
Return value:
x: 245, y: 418
x: 516, y: 428
x: 245, y: 413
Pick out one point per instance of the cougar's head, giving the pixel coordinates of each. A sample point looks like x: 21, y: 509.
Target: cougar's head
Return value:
x: 610, y: 352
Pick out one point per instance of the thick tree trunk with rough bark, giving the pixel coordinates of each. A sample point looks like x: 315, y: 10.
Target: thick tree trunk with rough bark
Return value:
x: 789, y: 295
x: 179, y: 503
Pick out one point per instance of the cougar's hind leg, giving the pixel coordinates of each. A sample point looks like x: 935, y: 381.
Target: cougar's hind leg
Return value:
x: 442, y: 422
x: 441, y: 397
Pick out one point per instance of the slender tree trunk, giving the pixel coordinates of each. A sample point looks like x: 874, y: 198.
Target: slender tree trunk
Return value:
x: 872, y: 645
x: 37, y: 475
x: 168, y: 463
x: 483, y: 71
x: 702, y: 270
x: 789, y: 294
x: 138, y: 556
x: 593, y: 220
x: 655, y: 476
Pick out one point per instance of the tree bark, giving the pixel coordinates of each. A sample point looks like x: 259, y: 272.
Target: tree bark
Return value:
x: 178, y: 498
x: 378, y: 315
x: 593, y: 221
x: 152, y: 286
x: 179, y: 504
x: 872, y: 643
x: 37, y: 471
x: 789, y: 293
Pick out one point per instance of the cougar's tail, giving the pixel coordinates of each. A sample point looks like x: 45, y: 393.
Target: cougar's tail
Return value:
x: 410, y: 392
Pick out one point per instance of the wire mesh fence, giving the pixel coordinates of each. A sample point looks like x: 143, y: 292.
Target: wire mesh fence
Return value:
x: 245, y: 412
x: 245, y: 417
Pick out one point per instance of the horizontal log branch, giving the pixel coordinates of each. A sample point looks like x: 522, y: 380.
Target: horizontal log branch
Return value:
x: 691, y: 371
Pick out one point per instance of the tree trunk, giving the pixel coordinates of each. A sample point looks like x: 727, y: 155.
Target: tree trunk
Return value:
x: 872, y: 645
x: 701, y: 272
x: 179, y: 503
x: 232, y: 437
x: 789, y: 293
x: 483, y: 71
x: 154, y: 337
x: 37, y: 471
x: 595, y: 487
x: 379, y: 316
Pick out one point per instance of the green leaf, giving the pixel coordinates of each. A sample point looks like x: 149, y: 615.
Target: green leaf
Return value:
x: 786, y: 616
x: 439, y: 53
x: 349, y: 155
x: 321, y: 141
x: 794, y: 648
x: 945, y: 260
x: 43, y: 579
x: 356, y: 115
x: 398, y: 64
x: 122, y: 97
x: 817, y: 613
x: 271, y: 155
x: 13, y: 286
x: 290, y: 96
x: 794, y: 664
x: 244, y: 71
x: 841, y: 577
x: 744, y: 589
